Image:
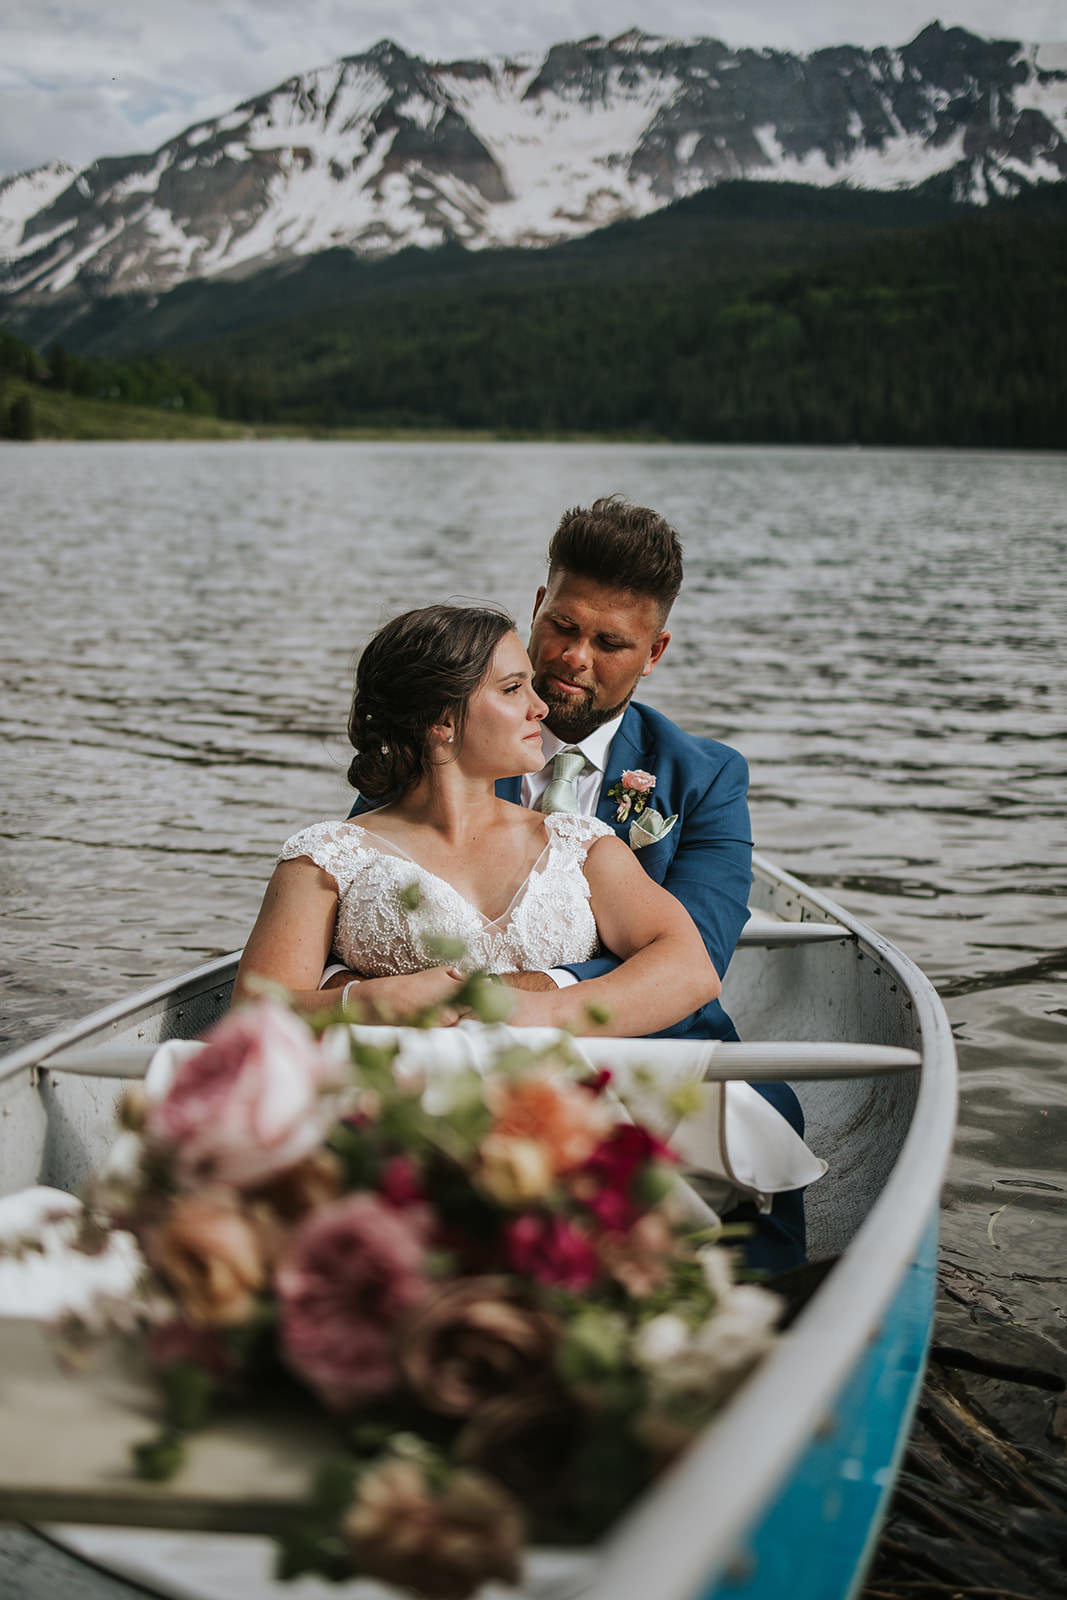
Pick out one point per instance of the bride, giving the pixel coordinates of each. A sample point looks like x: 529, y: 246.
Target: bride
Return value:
x: 444, y: 706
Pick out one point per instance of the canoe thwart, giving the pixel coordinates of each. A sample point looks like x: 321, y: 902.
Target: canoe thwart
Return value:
x: 772, y: 933
x: 749, y: 1062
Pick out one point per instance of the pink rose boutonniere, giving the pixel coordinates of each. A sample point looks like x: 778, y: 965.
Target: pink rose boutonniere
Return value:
x: 632, y: 791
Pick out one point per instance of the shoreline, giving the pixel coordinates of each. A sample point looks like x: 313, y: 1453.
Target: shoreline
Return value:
x: 62, y: 418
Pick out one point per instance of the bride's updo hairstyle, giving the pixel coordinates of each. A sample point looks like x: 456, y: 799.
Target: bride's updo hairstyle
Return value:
x: 421, y: 667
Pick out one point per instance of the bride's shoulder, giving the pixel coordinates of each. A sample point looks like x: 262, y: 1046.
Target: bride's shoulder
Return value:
x: 323, y: 841
x: 569, y: 828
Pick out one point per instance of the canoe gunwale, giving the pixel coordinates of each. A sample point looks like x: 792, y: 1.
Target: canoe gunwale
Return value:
x: 159, y: 996
x: 702, y: 1509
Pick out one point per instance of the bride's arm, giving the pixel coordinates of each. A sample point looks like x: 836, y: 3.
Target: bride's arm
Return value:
x: 290, y: 944
x: 292, y: 935
x: 665, y: 974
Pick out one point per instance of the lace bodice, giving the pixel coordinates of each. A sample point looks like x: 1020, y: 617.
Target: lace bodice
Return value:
x: 548, y: 923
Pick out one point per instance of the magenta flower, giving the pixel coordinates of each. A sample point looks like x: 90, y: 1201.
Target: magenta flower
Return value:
x: 628, y: 1148
x: 604, y: 1184
x: 353, y: 1270
x: 400, y: 1183
x: 552, y: 1250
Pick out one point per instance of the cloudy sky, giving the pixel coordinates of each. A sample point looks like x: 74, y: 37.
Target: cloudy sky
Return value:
x: 85, y: 78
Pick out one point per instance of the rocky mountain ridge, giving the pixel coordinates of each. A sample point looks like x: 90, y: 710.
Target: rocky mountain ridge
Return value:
x: 383, y: 150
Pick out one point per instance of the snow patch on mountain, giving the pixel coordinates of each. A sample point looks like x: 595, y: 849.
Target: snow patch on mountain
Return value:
x: 27, y: 193
x: 384, y: 150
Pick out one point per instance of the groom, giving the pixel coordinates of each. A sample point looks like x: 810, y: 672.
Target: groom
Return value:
x: 614, y: 571
x: 599, y: 627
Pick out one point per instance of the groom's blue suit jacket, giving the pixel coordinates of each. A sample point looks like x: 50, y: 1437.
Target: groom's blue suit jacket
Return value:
x: 706, y: 858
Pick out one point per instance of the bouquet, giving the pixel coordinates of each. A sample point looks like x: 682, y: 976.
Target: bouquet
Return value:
x: 488, y: 1282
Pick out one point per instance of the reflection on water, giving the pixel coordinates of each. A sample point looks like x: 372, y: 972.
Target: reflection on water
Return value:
x: 880, y: 632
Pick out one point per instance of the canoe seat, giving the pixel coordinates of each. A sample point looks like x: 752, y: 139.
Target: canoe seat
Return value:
x: 769, y: 932
x: 770, y: 1060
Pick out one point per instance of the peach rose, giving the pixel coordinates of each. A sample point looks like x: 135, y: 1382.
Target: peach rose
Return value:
x: 249, y: 1105
x: 209, y: 1254
x: 564, y: 1119
x: 513, y: 1171
x: 640, y: 1258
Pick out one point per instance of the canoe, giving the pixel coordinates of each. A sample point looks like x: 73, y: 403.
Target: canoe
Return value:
x: 786, y: 1490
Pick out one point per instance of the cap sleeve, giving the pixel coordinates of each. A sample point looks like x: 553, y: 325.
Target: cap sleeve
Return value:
x: 333, y: 846
x: 575, y: 833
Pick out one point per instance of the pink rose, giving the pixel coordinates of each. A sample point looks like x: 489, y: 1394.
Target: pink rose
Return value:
x: 552, y: 1250
x: 248, y: 1105
x: 643, y: 782
x: 354, y: 1268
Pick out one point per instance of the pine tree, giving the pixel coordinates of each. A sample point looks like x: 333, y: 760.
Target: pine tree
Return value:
x: 21, y: 423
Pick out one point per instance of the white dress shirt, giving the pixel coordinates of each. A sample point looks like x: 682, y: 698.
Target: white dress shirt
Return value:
x: 595, y: 750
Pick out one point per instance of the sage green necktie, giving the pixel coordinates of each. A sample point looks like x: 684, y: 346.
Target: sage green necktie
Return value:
x: 562, y: 791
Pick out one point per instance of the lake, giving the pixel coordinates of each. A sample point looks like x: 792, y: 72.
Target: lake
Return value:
x: 880, y: 632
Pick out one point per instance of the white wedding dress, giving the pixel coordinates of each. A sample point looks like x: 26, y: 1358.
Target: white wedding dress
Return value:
x: 381, y: 932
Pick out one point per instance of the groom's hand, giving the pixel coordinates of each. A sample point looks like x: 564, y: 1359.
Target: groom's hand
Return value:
x: 528, y: 980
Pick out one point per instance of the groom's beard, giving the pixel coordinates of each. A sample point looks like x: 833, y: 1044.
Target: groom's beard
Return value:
x: 572, y: 717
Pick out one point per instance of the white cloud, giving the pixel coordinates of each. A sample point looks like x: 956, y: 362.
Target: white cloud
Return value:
x: 82, y: 80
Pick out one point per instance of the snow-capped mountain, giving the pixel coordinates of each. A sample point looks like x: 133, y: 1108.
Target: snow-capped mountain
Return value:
x: 384, y: 150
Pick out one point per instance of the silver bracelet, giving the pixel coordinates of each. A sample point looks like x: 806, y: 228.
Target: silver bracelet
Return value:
x: 351, y: 984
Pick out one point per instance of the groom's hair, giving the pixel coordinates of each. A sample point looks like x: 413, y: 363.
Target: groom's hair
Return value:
x: 622, y: 546
x: 421, y: 667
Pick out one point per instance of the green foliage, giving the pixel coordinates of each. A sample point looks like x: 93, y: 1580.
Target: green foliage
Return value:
x: 159, y: 1458
x: 188, y: 1392
x: 150, y: 382
x: 955, y: 334
x: 21, y: 422
x: 18, y: 359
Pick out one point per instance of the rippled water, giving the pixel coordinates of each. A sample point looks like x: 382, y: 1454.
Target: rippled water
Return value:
x: 882, y: 633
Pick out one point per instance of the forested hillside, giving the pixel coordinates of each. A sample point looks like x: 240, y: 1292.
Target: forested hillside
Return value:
x: 750, y: 313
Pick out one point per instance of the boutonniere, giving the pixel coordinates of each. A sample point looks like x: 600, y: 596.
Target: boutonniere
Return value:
x: 631, y: 793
